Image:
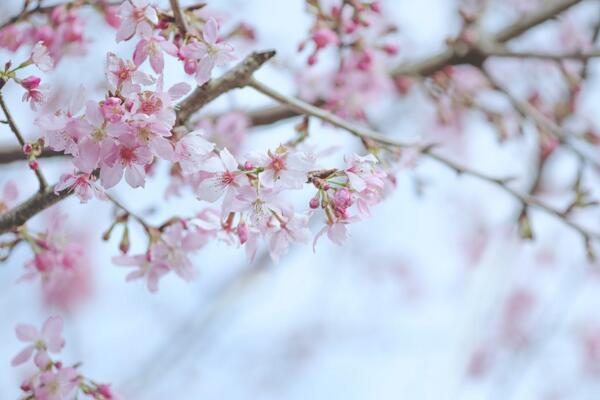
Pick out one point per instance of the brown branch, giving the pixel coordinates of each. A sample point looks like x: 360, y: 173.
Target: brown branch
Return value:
x: 580, y: 55
x: 23, y: 212
x: 179, y: 17
x: 543, y: 122
x: 236, y: 78
x: 39, y: 9
x: 472, y: 54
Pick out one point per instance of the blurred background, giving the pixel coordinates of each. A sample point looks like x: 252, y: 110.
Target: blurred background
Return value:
x: 435, y: 297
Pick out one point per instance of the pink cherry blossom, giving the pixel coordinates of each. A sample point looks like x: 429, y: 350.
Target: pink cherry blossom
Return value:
x: 126, y: 155
x: 291, y: 228
x: 258, y: 205
x: 11, y: 37
x: 41, y: 58
x: 146, y: 268
x: 57, y: 385
x: 191, y: 151
x: 33, y: 95
x: 83, y: 185
x: 227, y: 130
x: 137, y: 16
x: 284, y: 168
x: 48, y: 339
x: 153, y: 48
x: 202, y: 57
x: 10, y: 192
x: 225, y: 179
x: 336, y: 232
x: 112, y: 109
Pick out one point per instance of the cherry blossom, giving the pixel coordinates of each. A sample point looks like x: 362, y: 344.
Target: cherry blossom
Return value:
x: 137, y: 16
x: 125, y: 156
x: 201, y: 57
x: 224, y: 180
x: 41, y: 58
x: 48, y: 339
x: 83, y: 185
x: 153, y: 49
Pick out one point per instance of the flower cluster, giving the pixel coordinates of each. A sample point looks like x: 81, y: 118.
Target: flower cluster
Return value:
x: 119, y: 135
x: 61, y: 31
x: 168, y: 251
x: 52, y: 380
x: 59, y: 263
x: 356, y: 30
x: 199, y: 52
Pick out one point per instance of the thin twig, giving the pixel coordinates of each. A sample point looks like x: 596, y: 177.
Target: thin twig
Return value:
x: 179, y: 17
x: 13, y: 127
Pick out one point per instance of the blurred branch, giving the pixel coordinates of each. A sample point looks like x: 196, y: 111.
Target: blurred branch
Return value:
x: 543, y: 122
x: 17, y: 216
x: 369, y: 134
x: 472, y: 54
x: 39, y: 9
x: 581, y: 56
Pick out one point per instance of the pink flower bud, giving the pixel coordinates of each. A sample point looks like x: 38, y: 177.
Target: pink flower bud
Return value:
x: 324, y: 37
x: 31, y: 82
x: 390, y: 49
x: 376, y: 6
x: 34, y: 165
x: 27, y: 148
x: 314, y: 202
x: 248, y: 166
x: 312, y: 59
x: 105, y: 391
x: 190, y: 67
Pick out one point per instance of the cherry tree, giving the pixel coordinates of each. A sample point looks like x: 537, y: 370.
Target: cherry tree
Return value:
x: 150, y: 118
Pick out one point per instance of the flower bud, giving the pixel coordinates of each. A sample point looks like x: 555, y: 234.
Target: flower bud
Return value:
x: 34, y: 165
x: 27, y: 149
x: 314, y: 202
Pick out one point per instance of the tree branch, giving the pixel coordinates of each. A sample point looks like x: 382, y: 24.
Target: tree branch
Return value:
x: 179, y: 17
x: 366, y: 133
x: 236, y: 78
x: 473, y: 55
x: 17, y: 216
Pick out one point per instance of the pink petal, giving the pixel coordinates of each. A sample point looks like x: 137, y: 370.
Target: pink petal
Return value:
x: 179, y: 90
x: 126, y: 30
x: 11, y: 192
x: 205, y: 67
x: 51, y: 331
x: 135, y: 176
x: 23, y: 356
x: 27, y: 333
x: 141, y: 52
x: 157, y: 62
x: 210, y: 31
